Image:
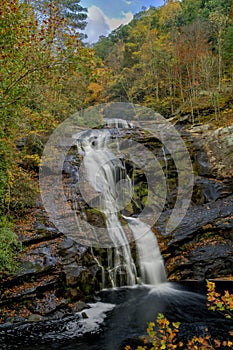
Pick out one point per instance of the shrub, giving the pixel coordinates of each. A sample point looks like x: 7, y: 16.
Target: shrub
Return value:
x: 164, y: 336
x: 22, y: 190
x: 9, y: 245
x: 220, y: 303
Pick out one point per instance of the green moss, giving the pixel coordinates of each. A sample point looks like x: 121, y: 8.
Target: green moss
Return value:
x: 197, y: 195
x: 95, y: 217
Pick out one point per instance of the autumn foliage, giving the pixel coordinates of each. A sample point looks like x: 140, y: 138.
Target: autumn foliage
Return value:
x: 175, y: 59
x: 164, y: 334
x: 218, y: 302
x: 46, y: 74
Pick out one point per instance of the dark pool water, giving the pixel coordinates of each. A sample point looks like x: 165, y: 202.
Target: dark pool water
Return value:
x: 118, y: 316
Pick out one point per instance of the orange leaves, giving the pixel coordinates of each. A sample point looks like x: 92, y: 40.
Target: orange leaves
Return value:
x: 44, y: 66
x: 227, y: 343
x: 199, y: 343
x: 218, y: 302
x: 163, y: 334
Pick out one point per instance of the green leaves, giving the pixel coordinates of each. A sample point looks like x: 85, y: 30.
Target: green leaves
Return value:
x: 8, y: 246
x: 163, y: 334
x: 220, y: 303
x: 166, y: 57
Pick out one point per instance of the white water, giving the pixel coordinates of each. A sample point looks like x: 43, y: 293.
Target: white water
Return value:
x: 95, y: 316
x: 111, y: 189
x: 150, y: 259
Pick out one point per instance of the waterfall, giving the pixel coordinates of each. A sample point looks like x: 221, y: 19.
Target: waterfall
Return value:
x: 149, y: 257
x: 110, y: 188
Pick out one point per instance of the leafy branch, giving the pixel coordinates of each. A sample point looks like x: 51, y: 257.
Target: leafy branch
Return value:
x: 163, y: 334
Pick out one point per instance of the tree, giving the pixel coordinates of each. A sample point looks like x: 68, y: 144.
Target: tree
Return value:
x: 228, y: 51
x: 45, y: 75
x: 219, y: 21
x: 71, y: 10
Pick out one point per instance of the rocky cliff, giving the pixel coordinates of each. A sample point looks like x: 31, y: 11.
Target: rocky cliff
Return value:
x: 57, y: 275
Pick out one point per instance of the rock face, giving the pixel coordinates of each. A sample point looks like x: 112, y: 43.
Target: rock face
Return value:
x: 218, y: 147
x: 201, y: 247
x: 54, y: 273
x: 57, y: 275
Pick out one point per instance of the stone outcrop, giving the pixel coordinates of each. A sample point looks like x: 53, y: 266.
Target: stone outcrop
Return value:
x: 55, y: 272
x: 201, y: 246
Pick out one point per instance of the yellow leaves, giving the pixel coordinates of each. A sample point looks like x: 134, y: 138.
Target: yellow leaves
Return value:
x: 169, y: 12
x: 33, y: 159
x: 176, y: 324
x: 227, y: 343
x: 218, y: 302
x: 10, y: 177
x: 163, y: 334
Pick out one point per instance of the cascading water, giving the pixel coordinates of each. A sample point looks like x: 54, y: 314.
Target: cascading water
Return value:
x: 112, y: 187
x: 119, y: 314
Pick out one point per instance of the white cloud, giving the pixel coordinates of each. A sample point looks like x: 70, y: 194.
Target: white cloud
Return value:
x: 116, y: 22
x: 96, y: 24
x: 99, y: 24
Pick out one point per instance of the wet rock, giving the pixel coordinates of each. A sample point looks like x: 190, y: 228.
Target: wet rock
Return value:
x: 225, y: 224
x: 18, y: 319
x: 46, y: 304
x: 79, y: 306
x: 197, y: 217
x: 65, y: 244
x: 212, y: 260
x: 50, y: 261
x: 215, y: 152
x: 68, y: 260
x: 35, y: 318
x: 201, y: 246
x: 39, y: 235
x: 73, y: 273
x: 210, y: 188
x: 68, y: 168
x: 68, y: 250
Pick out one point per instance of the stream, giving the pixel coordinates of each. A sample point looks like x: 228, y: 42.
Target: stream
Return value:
x: 119, y: 317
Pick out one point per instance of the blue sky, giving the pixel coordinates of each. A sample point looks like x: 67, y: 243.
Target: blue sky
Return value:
x: 106, y: 15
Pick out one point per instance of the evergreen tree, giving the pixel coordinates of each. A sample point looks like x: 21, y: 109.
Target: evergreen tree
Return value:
x: 71, y: 10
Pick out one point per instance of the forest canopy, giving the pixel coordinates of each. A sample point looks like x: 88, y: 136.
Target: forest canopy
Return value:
x: 178, y: 55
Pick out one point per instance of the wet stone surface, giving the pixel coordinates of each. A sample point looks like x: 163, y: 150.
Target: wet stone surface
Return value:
x: 201, y: 246
x: 57, y: 275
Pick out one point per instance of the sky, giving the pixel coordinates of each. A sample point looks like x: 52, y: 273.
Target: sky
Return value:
x: 106, y: 15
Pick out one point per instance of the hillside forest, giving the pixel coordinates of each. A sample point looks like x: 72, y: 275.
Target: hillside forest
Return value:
x: 175, y: 59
